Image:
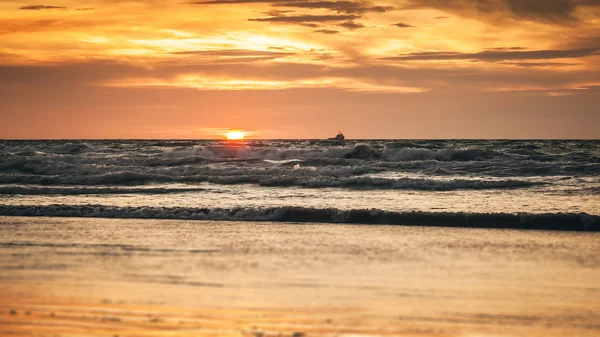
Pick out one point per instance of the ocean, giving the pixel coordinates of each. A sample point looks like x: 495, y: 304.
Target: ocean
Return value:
x: 552, y: 184
x: 300, y: 238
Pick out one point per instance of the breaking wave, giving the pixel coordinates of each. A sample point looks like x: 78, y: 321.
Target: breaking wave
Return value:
x: 357, y: 151
x: 549, y: 221
x: 42, y: 190
x: 265, y: 179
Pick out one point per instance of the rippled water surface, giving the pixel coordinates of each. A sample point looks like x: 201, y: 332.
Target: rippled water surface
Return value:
x: 442, y: 176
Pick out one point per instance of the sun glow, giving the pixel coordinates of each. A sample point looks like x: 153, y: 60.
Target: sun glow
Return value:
x: 235, y: 135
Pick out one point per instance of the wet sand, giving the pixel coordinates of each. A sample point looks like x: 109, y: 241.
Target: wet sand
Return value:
x: 109, y: 277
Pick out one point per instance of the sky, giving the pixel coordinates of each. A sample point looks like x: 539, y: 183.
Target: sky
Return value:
x: 288, y: 69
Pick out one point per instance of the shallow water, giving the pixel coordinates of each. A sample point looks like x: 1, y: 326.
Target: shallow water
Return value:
x: 154, y: 277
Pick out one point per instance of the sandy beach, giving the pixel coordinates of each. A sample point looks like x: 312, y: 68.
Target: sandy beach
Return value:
x: 109, y: 277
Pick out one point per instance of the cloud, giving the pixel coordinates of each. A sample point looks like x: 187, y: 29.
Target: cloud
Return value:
x: 548, y: 11
x: 327, y: 31
x: 277, y: 12
x: 506, y: 48
x: 230, y: 2
x: 45, y: 83
x: 403, y: 25
x: 341, y: 6
x: 351, y: 25
x: 540, y: 64
x: 40, y: 7
x: 348, y: 7
x: 433, y: 77
x: 498, y: 55
x: 346, y: 11
x: 231, y: 55
x: 306, y: 18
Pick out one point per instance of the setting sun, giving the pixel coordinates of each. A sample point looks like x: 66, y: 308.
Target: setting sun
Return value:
x: 235, y: 135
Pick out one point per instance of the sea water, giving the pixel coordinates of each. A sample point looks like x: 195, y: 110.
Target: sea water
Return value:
x: 358, y: 181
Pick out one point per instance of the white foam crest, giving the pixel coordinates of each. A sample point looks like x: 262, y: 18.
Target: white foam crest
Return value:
x: 551, y: 221
x: 300, y: 177
x: 70, y: 148
x: 268, y: 153
x: 105, y: 175
x: 422, y: 154
x: 412, y: 154
x: 44, y: 190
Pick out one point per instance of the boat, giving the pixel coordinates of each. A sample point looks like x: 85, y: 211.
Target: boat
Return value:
x: 340, y: 136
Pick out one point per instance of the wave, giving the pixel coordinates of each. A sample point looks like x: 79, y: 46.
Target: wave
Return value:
x: 356, y: 151
x: 337, y: 167
x: 399, y: 184
x: 353, y: 151
x: 49, y: 165
x: 70, y: 148
x: 548, y: 221
x: 307, y: 177
x: 38, y: 166
x: 41, y: 190
x: 448, y: 154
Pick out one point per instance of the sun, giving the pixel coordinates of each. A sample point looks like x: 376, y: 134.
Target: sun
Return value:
x: 235, y: 135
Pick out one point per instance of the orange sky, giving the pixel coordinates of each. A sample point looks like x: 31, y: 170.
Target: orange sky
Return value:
x: 300, y: 68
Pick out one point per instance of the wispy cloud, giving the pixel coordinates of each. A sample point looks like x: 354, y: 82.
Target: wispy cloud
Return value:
x: 348, y: 7
x: 497, y: 55
x: 306, y: 18
x: 40, y: 7
x: 341, y: 6
x: 403, y: 25
x: 351, y: 25
x: 327, y: 31
x: 548, y: 11
x: 233, y: 53
x: 345, y: 10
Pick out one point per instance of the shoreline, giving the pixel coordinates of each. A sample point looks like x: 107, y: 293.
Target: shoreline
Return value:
x: 523, y: 221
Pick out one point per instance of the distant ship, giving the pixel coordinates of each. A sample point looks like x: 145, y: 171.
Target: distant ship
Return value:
x: 340, y: 137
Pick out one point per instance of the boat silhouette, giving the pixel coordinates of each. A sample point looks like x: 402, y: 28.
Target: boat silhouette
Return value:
x: 340, y: 136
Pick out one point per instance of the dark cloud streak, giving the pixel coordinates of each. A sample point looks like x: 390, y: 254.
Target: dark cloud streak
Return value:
x: 346, y: 11
x: 548, y: 11
x: 232, y: 53
x: 351, y: 25
x: 327, y: 31
x: 229, y: 2
x: 306, y: 18
x: 540, y: 64
x: 341, y: 6
x: 497, y: 55
x: 348, y: 7
x: 40, y: 7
